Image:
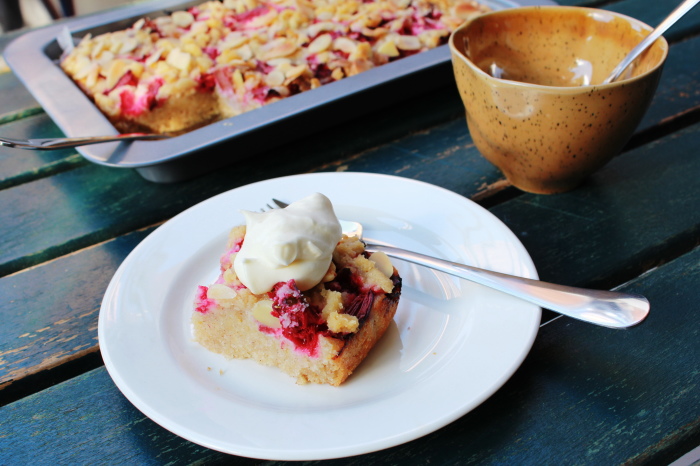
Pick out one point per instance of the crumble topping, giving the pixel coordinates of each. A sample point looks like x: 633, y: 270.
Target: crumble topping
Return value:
x: 335, y: 307
x: 248, y: 53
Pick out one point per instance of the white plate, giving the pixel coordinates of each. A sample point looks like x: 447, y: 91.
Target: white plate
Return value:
x: 452, y: 343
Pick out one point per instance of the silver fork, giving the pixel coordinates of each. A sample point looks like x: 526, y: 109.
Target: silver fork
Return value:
x: 64, y: 143
x: 612, y: 309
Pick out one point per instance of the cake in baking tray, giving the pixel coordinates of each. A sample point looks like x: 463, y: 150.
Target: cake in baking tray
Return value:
x: 177, y: 72
x: 297, y: 294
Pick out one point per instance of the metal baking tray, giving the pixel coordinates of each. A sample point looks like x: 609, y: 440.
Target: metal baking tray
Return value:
x: 33, y: 57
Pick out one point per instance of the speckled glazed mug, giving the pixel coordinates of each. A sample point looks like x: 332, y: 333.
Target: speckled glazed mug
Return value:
x: 530, y: 79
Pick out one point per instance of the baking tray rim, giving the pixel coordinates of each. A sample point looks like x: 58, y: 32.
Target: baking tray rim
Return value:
x: 76, y: 115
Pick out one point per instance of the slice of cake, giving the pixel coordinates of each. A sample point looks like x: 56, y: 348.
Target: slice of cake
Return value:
x: 177, y: 72
x: 297, y: 294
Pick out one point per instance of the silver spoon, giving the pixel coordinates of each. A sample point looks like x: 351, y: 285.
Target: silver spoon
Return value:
x: 64, y: 143
x: 613, y: 309
x: 675, y: 15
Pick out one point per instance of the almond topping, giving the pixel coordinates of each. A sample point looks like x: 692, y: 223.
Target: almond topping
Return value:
x: 274, y: 78
x: 408, y: 43
x: 128, y: 45
x: 182, y: 18
x: 219, y: 291
x: 383, y: 263
x: 344, y: 45
x: 262, y: 313
x: 276, y: 49
x: 320, y: 44
x: 179, y: 59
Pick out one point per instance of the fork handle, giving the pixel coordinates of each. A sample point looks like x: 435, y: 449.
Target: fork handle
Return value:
x: 607, y: 308
x: 64, y: 143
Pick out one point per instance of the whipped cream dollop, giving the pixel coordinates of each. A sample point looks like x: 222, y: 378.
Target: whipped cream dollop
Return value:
x: 296, y: 242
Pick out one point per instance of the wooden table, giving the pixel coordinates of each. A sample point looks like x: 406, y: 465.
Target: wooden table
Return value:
x: 584, y: 395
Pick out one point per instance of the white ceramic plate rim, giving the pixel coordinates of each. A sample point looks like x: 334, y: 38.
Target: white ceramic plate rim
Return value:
x: 452, y: 345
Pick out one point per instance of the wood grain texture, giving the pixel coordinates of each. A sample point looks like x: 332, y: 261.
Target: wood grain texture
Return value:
x: 652, y: 13
x: 15, y: 100
x: 19, y: 166
x: 585, y: 395
x: 628, y: 217
x: 51, y: 311
x: 441, y: 153
x: 582, y: 238
x: 88, y: 413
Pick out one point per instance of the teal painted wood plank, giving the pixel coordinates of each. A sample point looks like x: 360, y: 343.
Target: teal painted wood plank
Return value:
x: 678, y: 91
x: 50, y: 313
x: 92, y: 203
x: 588, y: 395
x: 652, y: 13
x: 630, y: 215
x: 441, y: 153
x: 639, y: 199
x: 15, y: 101
x: 19, y: 166
x: 584, y: 395
x: 88, y: 421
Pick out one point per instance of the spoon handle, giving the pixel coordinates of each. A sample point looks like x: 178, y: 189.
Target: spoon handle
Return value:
x: 607, y: 308
x: 681, y: 10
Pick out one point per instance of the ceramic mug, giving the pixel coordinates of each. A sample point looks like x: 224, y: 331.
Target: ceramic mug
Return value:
x: 530, y: 79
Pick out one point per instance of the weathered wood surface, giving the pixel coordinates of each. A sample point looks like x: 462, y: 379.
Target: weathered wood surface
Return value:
x: 67, y: 224
x: 677, y: 95
x: 77, y: 208
x: 442, y: 153
x: 584, y: 395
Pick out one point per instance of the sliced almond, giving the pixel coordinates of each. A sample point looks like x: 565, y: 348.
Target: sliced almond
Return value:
x: 466, y: 10
x: 320, y: 44
x: 383, y: 263
x: 129, y: 44
x: 263, y: 20
x: 278, y: 48
x: 408, y: 43
x: 295, y: 71
x: 262, y: 313
x: 274, y: 78
x: 245, y: 52
x: 91, y: 78
x: 117, y: 69
x: 82, y: 66
x: 344, y: 45
x: 153, y: 58
x: 233, y: 41
x: 182, y: 18
x: 221, y: 291
x: 179, y: 59
x: 321, y: 26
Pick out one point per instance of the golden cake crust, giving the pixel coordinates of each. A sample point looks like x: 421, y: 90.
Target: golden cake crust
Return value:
x: 227, y: 324
x: 219, y: 59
